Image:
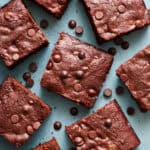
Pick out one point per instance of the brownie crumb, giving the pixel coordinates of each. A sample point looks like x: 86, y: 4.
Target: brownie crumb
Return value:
x: 74, y: 111
x: 119, y: 90
x: 44, y: 24
x: 143, y: 110
x: 130, y: 111
x: 72, y: 24
x: 112, y: 51
x: 57, y: 125
x: 79, y: 30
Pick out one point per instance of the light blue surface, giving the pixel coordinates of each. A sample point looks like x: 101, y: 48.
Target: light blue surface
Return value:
x: 137, y: 40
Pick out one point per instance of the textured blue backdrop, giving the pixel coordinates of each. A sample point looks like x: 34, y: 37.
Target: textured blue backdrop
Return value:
x: 137, y: 40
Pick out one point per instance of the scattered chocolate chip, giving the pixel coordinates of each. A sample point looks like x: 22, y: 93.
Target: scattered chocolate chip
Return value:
x: 64, y: 74
x: 118, y: 41
x: 108, y: 123
x: 74, y: 111
x: 143, y: 110
x: 50, y: 65
x: 33, y: 67
x: 107, y: 92
x: 26, y: 75
x: 79, y: 74
x: 72, y: 148
x: 57, y: 125
x: 130, y: 111
x: 119, y: 90
x: 72, y: 24
x: 79, y: 30
x: 112, y: 51
x: 29, y: 83
x: 125, y: 45
x: 44, y: 23
x: 81, y: 55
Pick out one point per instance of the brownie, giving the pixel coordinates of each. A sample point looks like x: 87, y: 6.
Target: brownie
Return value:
x: 55, y: 7
x: 50, y: 145
x: 76, y: 70
x: 20, y: 36
x: 135, y: 73
x: 107, y: 128
x: 111, y: 19
x: 21, y: 112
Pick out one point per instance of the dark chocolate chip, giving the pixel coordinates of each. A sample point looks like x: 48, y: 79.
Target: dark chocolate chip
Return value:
x: 44, y: 23
x: 74, y: 111
x: 33, y: 67
x: 92, y: 92
x: 57, y: 58
x: 118, y: 41
x: 79, y: 74
x: 130, y: 111
x: 64, y: 74
x: 125, y: 45
x: 61, y: 2
x: 112, y: 51
x: 107, y: 92
x: 72, y: 24
x: 29, y: 83
x: 143, y: 110
x: 81, y: 55
x: 79, y: 30
x: 26, y: 75
x: 57, y: 125
x: 108, y: 123
x: 119, y: 90
x: 50, y: 65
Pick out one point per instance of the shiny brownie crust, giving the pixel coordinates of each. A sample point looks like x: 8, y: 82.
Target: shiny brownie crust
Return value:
x: 76, y: 70
x: 20, y: 36
x: 107, y: 128
x: 111, y: 19
x: 135, y: 73
x: 21, y: 112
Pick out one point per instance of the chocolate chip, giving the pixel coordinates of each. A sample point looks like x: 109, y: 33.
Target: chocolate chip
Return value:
x: 29, y: 83
x: 79, y: 141
x: 57, y: 58
x: 36, y: 125
x: 92, y: 92
x: 64, y: 74
x: 72, y: 24
x: 26, y: 75
x: 31, y: 32
x: 14, y: 119
x: 74, y: 111
x: 78, y: 87
x: 107, y: 92
x: 79, y: 74
x: 143, y: 110
x: 119, y: 90
x: 61, y: 2
x: 50, y: 65
x: 108, y: 123
x: 112, y: 51
x: 130, y: 111
x: 72, y: 148
x: 57, y: 125
x: 99, y: 15
x: 81, y: 55
x: 118, y: 41
x: 125, y: 45
x: 79, y: 30
x: 44, y: 23
x: 33, y: 67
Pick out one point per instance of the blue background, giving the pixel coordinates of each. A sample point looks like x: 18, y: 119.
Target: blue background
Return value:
x: 138, y: 40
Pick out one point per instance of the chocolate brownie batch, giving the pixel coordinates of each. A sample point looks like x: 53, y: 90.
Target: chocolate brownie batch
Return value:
x: 76, y: 71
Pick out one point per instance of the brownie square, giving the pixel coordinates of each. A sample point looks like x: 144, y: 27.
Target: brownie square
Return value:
x: 135, y: 73
x: 107, y: 129
x: 21, y: 112
x: 55, y: 7
x: 50, y: 145
x: 20, y: 36
x: 76, y: 70
x: 111, y: 19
